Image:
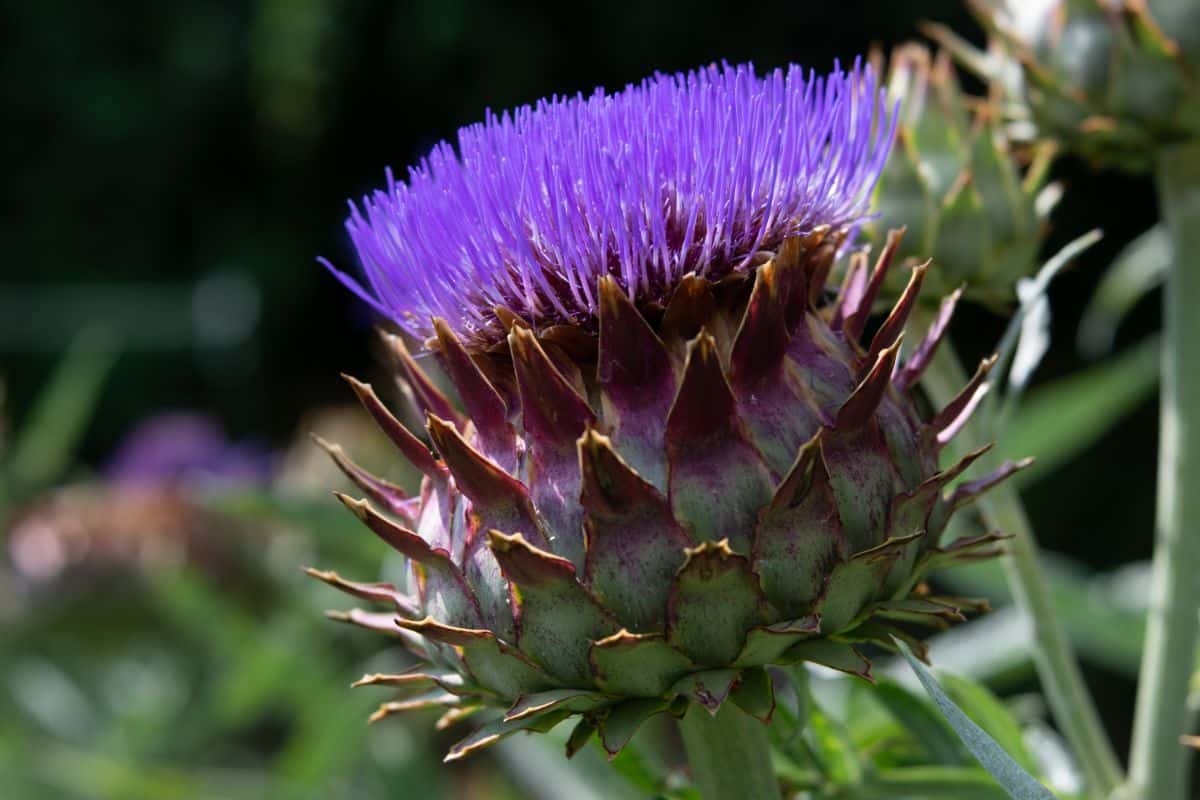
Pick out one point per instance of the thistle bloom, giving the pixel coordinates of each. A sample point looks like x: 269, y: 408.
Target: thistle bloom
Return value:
x: 674, y: 463
x: 682, y: 174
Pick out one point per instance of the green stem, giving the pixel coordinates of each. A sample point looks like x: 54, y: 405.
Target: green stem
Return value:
x: 729, y: 754
x: 1157, y: 761
x: 1056, y: 665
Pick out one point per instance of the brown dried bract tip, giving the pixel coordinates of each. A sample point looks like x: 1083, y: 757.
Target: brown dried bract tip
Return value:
x: 691, y: 306
x: 865, y: 399
x: 412, y: 448
x: 510, y: 319
x: 525, y: 564
x: 429, y: 397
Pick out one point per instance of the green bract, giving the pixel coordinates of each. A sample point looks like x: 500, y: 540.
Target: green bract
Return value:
x: 621, y: 523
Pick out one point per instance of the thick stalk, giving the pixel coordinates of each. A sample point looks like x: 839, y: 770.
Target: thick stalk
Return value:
x: 1158, y: 763
x: 729, y: 755
x: 1057, y: 668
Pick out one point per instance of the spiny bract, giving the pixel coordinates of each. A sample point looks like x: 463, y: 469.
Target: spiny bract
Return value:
x: 1113, y: 80
x: 655, y: 487
x: 955, y: 183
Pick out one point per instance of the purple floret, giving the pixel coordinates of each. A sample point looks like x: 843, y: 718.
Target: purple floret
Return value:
x: 682, y: 173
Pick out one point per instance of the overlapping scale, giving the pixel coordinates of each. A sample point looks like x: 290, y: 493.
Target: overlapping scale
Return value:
x: 624, y: 522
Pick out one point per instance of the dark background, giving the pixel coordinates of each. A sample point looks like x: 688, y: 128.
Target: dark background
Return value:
x: 175, y: 167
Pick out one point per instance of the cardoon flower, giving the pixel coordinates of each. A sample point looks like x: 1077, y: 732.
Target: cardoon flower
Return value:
x: 675, y: 461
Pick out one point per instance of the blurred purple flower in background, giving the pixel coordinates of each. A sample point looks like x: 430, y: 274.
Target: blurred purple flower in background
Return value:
x: 187, y: 448
x: 144, y: 511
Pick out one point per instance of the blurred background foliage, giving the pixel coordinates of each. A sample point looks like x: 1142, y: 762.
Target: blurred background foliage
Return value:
x: 176, y: 167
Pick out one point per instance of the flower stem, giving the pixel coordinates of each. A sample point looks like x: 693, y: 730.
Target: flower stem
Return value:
x: 1056, y: 665
x: 1158, y: 762
x: 729, y: 754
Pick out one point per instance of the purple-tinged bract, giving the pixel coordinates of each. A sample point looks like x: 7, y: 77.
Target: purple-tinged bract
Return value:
x: 681, y: 173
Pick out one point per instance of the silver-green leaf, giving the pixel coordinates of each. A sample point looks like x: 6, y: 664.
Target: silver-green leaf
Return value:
x: 1008, y: 773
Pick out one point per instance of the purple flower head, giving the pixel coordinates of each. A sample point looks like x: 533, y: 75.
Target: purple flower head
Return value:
x: 682, y: 173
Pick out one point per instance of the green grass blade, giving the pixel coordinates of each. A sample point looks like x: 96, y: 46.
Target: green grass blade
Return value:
x: 47, y: 440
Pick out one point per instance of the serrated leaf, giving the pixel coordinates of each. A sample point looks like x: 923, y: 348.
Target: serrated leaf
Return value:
x: 573, y: 700
x: 1002, y: 766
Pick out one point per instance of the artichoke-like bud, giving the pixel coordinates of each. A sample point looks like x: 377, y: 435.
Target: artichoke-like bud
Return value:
x: 954, y: 180
x: 1111, y: 79
x: 674, y: 462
